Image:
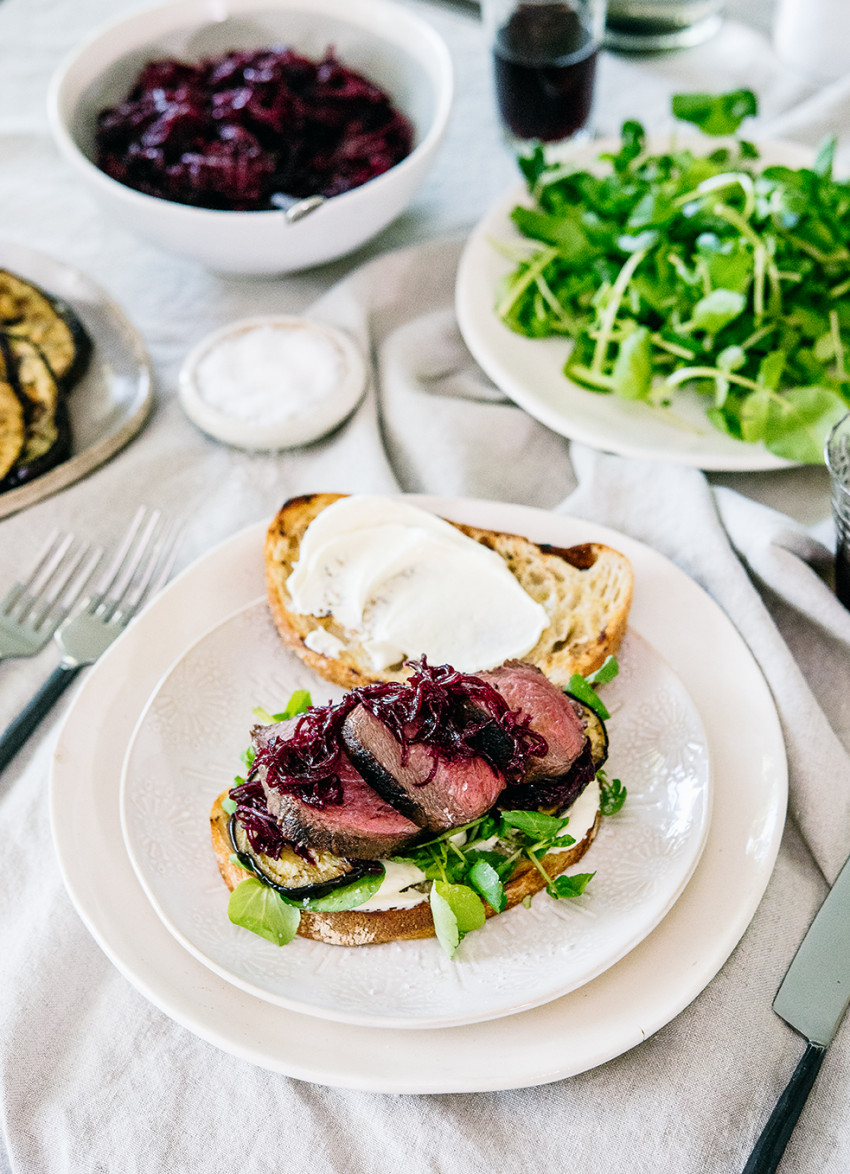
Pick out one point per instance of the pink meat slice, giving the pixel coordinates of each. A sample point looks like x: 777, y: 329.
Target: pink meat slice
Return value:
x: 362, y: 827
x: 552, y: 713
x: 436, y: 797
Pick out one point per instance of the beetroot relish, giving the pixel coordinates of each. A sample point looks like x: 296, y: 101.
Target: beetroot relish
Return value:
x: 231, y: 131
x: 449, y: 710
x: 446, y: 709
x: 262, y: 829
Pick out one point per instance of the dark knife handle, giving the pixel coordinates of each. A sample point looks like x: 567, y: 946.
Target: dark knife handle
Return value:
x: 768, y: 1150
x: 20, y: 728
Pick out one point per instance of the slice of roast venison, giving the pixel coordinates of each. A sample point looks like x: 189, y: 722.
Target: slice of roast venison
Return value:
x: 553, y: 715
x: 362, y: 827
x: 435, y: 793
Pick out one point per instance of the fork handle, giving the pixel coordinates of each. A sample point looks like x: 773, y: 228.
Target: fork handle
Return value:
x: 20, y: 728
x: 768, y: 1150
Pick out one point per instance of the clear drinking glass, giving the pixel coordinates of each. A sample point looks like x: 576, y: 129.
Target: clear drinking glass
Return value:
x: 661, y: 24
x: 544, y: 66
x: 838, y: 463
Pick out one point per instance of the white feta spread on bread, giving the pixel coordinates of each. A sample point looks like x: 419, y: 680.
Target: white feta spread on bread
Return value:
x: 397, y: 889
x: 582, y: 813
x: 405, y: 583
x: 325, y: 643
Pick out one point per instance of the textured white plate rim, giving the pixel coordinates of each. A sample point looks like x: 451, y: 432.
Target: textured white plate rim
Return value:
x: 604, y: 1019
x: 37, y: 266
x: 140, y: 865
x: 602, y: 421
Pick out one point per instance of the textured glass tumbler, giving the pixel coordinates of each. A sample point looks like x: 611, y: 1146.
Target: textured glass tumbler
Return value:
x: 544, y: 68
x: 648, y: 25
x: 838, y: 463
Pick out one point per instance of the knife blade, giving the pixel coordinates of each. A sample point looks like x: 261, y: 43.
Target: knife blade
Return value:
x: 812, y: 998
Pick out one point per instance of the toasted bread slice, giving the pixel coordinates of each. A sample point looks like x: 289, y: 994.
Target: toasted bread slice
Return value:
x: 354, y: 928
x: 585, y: 590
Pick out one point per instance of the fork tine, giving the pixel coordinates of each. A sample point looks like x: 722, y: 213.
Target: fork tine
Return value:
x: 72, y: 582
x: 25, y: 592
x: 167, y: 561
x: 113, y: 570
x: 155, y: 574
x: 136, y: 559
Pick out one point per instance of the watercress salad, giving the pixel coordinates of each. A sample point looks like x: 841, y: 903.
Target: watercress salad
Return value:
x: 710, y: 271
x: 467, y: 866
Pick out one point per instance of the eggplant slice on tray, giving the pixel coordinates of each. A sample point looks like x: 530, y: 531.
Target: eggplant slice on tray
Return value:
x: 44, y: 350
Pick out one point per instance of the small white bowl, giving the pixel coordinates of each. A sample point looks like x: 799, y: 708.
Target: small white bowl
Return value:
x: 389, y: 44
x: 281, y: 431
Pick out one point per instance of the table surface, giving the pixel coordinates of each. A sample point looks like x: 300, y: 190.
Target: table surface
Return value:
x: 174, y: 303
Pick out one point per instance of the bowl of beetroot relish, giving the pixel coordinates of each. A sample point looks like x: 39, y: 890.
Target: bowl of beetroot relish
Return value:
x: 193, y: 122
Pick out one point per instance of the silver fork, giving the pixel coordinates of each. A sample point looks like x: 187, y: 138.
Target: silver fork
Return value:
x: 34, y: 607
x: 138, y: 570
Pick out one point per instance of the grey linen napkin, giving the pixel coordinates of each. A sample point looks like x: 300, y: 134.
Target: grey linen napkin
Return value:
x: 94, y: 1078
x: 93, y: 1072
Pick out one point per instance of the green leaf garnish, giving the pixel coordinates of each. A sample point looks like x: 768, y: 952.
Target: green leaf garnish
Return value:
x: 717, y: 310
x: 631, y: 376
x: 229, y: 805
x: 570, y: 886
x: 258, y: 908
x: 612, y: 794
x: 606, y: 672
x: 535, y: 824
x: 485, y: 880
x: 716, y: 114
x: 457, y: 911
x: 345, y: 897
x: 299, y: 702
x: 579, y: 688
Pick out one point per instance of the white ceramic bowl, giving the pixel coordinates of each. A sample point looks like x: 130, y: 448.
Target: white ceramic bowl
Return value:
x: 305, y: 423
x: 379, y: 38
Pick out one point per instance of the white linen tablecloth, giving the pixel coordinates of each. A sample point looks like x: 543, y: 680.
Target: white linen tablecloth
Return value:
x: 94, y: 1078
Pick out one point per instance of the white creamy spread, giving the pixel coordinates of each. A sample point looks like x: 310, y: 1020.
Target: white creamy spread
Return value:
x: 405, y: 583
x: 582, y: 814
x: 396, y: 892
x: 325, y: 643
x: 268, y: 374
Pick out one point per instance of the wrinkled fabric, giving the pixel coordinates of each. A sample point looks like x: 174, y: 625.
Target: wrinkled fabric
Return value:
x: 96, y: 1079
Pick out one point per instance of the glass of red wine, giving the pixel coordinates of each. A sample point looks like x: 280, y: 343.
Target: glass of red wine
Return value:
x: 838, y: 463
x: 544, y: 66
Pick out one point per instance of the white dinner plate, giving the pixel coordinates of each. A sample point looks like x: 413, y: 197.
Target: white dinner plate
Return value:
x: 114, y: 397
x: 600, y: 1020
x: 186, y: 750
x: 531, y: 370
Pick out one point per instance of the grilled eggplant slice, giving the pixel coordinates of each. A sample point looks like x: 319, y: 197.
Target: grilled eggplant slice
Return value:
x: 12, y: 428
x: 594, y: 727
x: 293, y: 876
x: 47, y: 443
x: 44, y: 349
x: 27, y: 312
x: 32, y: 376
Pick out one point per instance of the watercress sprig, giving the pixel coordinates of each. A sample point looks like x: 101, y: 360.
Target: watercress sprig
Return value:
x: 707, y: 271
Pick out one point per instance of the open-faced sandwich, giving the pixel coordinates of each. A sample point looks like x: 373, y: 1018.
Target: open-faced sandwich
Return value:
x: 462, y: 772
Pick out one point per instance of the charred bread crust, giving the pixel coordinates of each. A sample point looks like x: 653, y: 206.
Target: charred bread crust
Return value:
x: 586, y: 591
x: 353, y: 928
